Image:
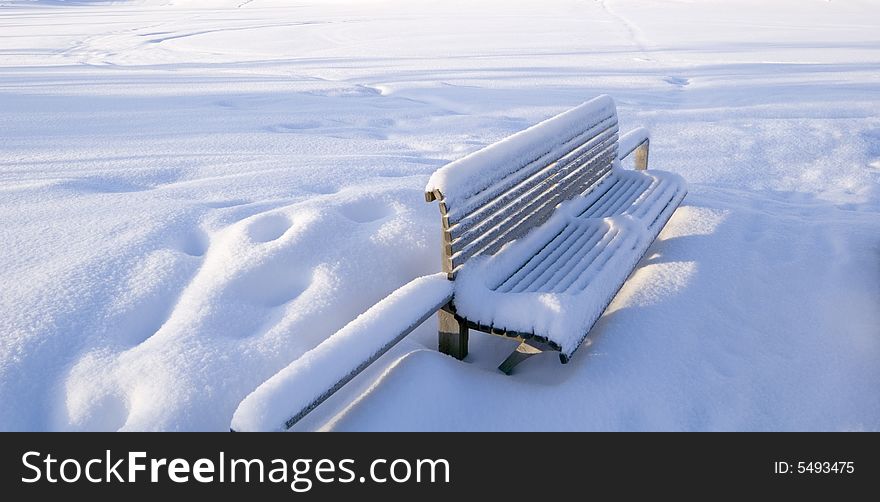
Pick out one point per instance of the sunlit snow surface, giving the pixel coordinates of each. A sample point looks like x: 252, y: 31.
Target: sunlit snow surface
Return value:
x: 195, y: 193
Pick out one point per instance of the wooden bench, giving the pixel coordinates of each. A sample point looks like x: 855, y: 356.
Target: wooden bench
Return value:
x: 539, y: 232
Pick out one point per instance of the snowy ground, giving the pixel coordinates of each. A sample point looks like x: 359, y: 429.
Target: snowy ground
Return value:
x: 194, y: 193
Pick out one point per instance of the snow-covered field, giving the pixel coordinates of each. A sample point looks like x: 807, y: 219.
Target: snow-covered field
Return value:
x: 195, y: 193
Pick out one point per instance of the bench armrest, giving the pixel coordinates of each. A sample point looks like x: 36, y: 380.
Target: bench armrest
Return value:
x: 293, y: 392
x: 638, y: 140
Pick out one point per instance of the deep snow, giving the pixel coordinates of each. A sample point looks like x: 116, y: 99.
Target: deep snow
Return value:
x: 194, y: 195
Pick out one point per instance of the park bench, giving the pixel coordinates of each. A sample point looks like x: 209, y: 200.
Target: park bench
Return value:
x: 538, y: 233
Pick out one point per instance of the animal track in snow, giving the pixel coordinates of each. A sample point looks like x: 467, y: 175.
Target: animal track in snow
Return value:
x: 273, y: 282
x: 322, y: 189
x: 273, y: 289
x: 365, y: 210
x: 381, y: 122
x: 107, y: 412
x: 356, y: 133
x: 269, y: 227
x: 118, y: 184
x: 754, y: 231
x: 193, y: 243
x: 677, y: 81
x: 99, y: 185
x: 392, y: 173
x: 344, y: 92
x: 302, y: 125
x: 339, y: 130
x: 222, y: 204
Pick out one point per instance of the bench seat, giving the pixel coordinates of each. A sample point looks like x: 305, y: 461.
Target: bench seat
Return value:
x: 642, y: 194
x: 551, y: 286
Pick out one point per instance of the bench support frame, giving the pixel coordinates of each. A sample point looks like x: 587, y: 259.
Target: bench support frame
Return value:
x: 525, y: 350
x: 641, y: 155
x: 453, y: 333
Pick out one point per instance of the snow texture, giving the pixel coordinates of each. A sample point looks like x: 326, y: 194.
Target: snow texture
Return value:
x: 305, y: 380
x: 195, y: 193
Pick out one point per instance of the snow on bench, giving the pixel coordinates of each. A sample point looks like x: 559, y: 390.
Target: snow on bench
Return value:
x: 540, y: 231
x: 314, y: 377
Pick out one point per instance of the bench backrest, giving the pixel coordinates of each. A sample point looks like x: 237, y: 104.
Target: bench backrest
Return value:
x: 499, y: 193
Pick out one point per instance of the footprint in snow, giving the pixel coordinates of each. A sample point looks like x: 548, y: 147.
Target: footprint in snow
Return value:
x: 302, y: 125
x: 677, y: 81
x: 223, y: 204
x: 269, y: 227
x: 321, y: 189
x: 365, y: 210
x: 193, y: 242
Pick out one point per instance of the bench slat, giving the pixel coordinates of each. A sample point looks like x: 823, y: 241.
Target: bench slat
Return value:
x: 517, y: 224
x: 573, y: 184
x: 490, y: 194
x: 585, y: 262
x: 550, y: 268
x: 537, y: 183
x: 531, y: 268
x: 461, y: 181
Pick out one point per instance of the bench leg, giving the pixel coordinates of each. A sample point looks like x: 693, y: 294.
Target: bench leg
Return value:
x: 453, y: 335
x: 642, y: 156
x: 522, y: 352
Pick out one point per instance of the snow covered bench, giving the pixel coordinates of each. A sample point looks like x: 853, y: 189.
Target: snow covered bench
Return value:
x: 539, y: 232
